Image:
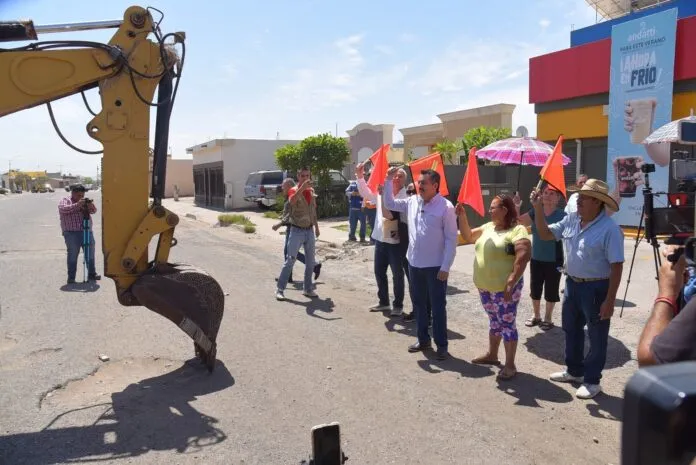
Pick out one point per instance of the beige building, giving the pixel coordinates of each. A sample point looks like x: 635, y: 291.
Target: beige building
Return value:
x: 419, y: 140
x: 179, y: 174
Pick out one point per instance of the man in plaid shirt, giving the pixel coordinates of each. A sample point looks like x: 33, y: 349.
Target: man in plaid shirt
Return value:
x: 71, y: 210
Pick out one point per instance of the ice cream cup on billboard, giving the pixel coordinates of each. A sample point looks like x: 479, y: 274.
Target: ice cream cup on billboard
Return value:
x: 628, y: 174
x: 643, y: 114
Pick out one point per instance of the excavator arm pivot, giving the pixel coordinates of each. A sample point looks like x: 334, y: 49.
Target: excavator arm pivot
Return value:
x: 127, y: 72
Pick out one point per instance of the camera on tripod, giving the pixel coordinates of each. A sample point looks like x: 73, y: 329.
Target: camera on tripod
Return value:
x: 677, y: 219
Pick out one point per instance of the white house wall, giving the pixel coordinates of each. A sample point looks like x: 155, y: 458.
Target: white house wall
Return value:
x: 240, y: 157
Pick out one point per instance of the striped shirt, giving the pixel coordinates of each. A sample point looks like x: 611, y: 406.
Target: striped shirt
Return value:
x: 71, y: 215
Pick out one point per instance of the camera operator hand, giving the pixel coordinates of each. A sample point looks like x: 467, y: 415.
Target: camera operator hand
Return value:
x: 671, y: 275
x: 670, y: 334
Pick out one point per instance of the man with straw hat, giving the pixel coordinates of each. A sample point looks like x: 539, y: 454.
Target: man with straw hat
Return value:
x: 594, y: 246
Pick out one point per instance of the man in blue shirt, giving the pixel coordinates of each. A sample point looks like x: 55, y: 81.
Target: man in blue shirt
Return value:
x: 355, y: 212
x: 594, y: 263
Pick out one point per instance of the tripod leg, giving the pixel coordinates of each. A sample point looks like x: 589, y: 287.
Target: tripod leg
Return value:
x: 633, y: 258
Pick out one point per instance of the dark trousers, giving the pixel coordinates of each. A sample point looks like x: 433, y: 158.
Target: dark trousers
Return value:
x: 356, y: 215
x: 74, y: 241
x: 544, y: 276
x: 388, y: 256
x: 426, y: 288
x: 581, y: 303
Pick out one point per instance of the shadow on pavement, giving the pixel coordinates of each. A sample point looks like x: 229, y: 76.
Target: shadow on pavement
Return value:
x: 451, y: 290
x: 606, y: 407
x: 453, y: 364
x: 152, y: 415
x: 550, y: 345
x: 529, y: 389
x: 398, y: 325
x: 316, y: 305
x: 626, y: 303
x: 89, y: 286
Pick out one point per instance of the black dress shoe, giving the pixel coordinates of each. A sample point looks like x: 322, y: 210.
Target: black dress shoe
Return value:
x: 94, y: 277
x: 418, y: 347
x: 441, y: 354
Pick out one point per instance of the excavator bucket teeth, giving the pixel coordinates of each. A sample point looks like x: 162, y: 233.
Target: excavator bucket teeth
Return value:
x: 190, y: 298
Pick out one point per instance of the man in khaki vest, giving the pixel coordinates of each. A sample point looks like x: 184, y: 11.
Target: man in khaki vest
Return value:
x: 304, y: 229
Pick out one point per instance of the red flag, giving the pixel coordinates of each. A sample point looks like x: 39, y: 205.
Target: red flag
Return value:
x: 552, y: 172
x: 470, y: 191
x: 431, y: 162
x: 380, y: 165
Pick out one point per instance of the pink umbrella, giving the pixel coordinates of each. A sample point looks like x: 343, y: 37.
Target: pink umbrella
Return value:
x: 519, y: 151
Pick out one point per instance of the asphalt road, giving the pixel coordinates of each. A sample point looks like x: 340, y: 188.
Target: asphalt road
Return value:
x: 283, y: 366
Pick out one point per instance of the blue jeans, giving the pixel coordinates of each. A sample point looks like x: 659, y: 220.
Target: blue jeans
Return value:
x: 74, y: 242
x: 370, y: 215
x: 300, y: 255
x: 355, y: 215
x: 388, y: 256
x: 425, y: 287
x: 299, y: 238
x: 581, y: 303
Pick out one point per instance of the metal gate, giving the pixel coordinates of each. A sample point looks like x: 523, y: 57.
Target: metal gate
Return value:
x: 209, y: 185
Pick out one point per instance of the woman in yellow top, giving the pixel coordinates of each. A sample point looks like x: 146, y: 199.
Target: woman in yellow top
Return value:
x: 503, y: 250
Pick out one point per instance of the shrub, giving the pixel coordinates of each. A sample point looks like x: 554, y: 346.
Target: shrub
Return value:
x: 249, y: 228
x: 228, y: 219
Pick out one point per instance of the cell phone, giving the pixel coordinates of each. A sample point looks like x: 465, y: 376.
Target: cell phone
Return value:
x: 326, y: 444
x: 627, y: 167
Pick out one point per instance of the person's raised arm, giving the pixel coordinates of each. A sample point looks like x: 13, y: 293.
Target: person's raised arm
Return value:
x: 399, y: 205
x: 468, y: 234
x: 539, y: 218
x: 365, y: 191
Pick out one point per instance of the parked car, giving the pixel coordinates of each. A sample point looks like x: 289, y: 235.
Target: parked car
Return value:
x: 262, y: 187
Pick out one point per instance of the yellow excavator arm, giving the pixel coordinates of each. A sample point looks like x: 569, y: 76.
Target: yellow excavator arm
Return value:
x: 127, y: 72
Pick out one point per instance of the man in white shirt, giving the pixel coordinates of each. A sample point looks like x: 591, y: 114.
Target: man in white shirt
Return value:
x: 572, y: 205
x: 432, y: 230
x: 386, y: 243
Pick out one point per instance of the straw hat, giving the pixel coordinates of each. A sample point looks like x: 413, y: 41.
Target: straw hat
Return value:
x: 600, y: 191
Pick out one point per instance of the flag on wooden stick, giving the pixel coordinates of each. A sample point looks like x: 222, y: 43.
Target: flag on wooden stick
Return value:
x: 470, y: 191
x: 380, y: 166
x: 431, y: 162
x: 552, y: 171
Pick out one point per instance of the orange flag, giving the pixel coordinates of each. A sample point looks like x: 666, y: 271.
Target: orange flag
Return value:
x: 431, y: 162
x: 380, y: 165
x: 470, y: 191
x: 552, y: 172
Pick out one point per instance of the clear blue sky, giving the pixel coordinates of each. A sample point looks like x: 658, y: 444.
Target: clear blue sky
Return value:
x: 297, y: 68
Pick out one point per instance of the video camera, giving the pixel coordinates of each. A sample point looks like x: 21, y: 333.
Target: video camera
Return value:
x: 677, y: 219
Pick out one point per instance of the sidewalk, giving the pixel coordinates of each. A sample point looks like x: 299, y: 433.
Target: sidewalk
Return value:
x: 185, y: 208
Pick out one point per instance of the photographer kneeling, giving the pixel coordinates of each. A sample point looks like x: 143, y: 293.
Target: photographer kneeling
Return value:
x: 670, y: 334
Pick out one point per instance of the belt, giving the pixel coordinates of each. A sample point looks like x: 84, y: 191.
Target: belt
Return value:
x: 300, y: 227
x: 586, y: 280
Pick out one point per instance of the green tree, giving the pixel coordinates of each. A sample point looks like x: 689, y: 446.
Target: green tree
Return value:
x: 321, y: 153
x: 480, y: 137
x: 88, y: 180
x: 448, y: 149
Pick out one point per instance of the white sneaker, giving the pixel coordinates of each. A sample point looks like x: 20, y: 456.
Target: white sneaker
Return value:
x: 280, y: 295
x: 379, y: 308
x: 311, y: 294
x: 565, y: 377
x: 397, y: 311
x: 588, y: 391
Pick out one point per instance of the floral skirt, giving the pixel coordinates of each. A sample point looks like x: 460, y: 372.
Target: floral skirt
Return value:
x: 502, y: 313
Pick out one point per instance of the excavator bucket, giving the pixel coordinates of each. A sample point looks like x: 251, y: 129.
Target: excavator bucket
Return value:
x: 190, y: 298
